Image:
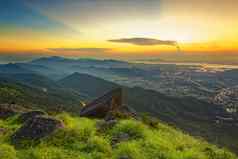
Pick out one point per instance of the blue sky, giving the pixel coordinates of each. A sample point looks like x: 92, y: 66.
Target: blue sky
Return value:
x: 70, y: 27
x: 17, y: 13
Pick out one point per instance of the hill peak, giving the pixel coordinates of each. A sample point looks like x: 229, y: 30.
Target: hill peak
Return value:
x: 92, y: 86
x: 49, y: 59
x: 77, y: 74
x: 13, y: 68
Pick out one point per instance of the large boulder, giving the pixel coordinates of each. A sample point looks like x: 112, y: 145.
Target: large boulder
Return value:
x: 30, y: 115
x: 36, y: 128
x: 104, y: 105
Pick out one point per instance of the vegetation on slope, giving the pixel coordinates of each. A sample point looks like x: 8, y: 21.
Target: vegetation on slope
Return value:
x: 80, y: 82
x: 35, y: 94
x: 83, y: 138
x: 187, y: 113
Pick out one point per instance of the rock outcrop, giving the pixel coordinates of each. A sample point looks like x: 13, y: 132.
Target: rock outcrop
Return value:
x: 30, y: 115
x: 36, y: 128
x: 108, y: 107
x: 104, y: 105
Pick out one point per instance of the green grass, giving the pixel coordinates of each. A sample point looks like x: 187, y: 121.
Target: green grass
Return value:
x: 82, y: 139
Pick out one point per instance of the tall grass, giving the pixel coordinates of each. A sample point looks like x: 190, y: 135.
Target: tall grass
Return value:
x: 81, y: 139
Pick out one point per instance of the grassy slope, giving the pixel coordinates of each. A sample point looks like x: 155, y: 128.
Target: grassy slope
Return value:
x: 80, y: 139
x: 28, y: 93
x: 28, y: 90
x: 191, y: 115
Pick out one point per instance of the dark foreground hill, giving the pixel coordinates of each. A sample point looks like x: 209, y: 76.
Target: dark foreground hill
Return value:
x: 64, y: 136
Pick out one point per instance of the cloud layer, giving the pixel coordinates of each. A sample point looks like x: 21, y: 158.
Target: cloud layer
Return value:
x: 144, y: 41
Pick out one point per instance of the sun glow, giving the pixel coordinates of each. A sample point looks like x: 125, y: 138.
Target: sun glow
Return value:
x: 82, y: 24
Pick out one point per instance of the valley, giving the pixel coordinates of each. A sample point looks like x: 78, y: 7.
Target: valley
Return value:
x: 181, y: 96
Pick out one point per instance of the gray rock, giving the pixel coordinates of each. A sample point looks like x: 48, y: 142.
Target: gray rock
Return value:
x: 36, y: 128
x: 30, y: 115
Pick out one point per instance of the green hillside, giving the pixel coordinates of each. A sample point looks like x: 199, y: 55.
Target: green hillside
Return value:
x: 83, y: 138
x: 189, y: 114
x: 37, y: 92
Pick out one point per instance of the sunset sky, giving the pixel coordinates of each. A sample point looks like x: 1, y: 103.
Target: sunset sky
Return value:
x: 175, y: 29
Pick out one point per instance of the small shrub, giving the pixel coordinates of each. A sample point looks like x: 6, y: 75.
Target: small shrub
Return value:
x: 134, y: 129
x: 98, y: 148
x: 98, y: 144
x: 214, y: 153
x: 130, y: 139
x: 7, y: 152
x: 150, y: 121
x: 67, y: 138
x: 68, y: 120
x: 128, y: 150
x: 77, y: 131
x: 49, y: 153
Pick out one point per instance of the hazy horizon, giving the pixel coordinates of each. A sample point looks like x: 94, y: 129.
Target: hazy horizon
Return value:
x: 173, y: 30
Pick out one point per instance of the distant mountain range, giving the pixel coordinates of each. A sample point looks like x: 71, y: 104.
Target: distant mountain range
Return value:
x: 52, y: 84
x: 34, y: 90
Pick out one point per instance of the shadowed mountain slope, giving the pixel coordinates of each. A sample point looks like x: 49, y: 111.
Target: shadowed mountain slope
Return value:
x: 33, y: 90
x: 80, y: 82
